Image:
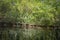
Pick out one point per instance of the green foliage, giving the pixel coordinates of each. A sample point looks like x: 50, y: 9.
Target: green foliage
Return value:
x: 44, y: 12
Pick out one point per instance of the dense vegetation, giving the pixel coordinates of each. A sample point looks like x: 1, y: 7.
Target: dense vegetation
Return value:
x: 40, y: 12
x: 44, y: 12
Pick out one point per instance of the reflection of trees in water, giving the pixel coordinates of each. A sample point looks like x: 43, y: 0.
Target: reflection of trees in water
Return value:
x: 28, y: 34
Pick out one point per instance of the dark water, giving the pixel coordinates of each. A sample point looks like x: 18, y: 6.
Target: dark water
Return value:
x: 27, y: 34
